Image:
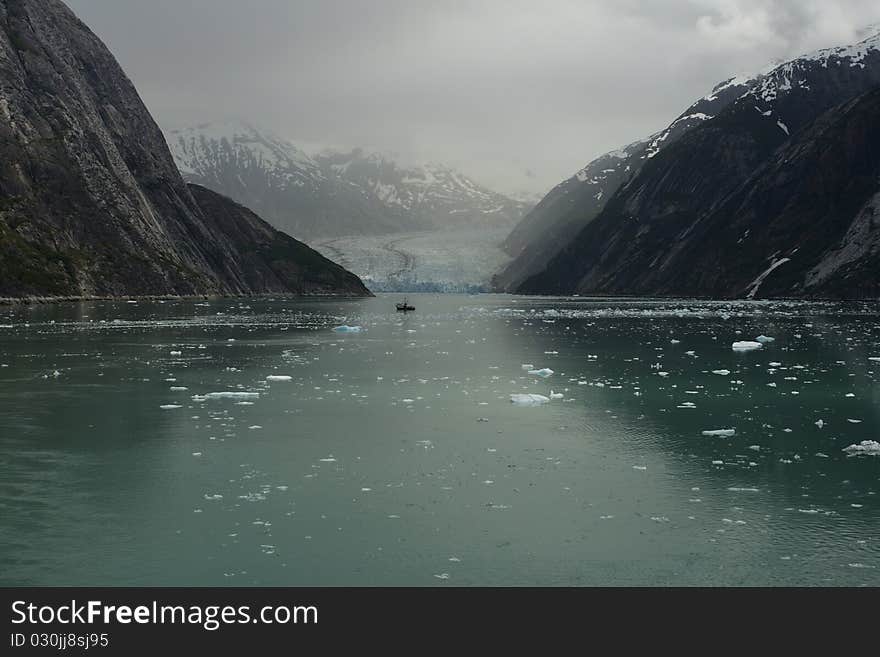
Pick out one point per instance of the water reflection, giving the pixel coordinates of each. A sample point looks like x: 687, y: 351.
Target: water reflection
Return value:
x: 395, y: 457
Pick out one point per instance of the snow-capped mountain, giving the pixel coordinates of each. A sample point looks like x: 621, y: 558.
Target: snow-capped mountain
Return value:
x: 333, y: 194
x: 275, y: 179
x: 667, y: 228
x: 221, y: 152
x: 575, y: 202
x: 430, y: 196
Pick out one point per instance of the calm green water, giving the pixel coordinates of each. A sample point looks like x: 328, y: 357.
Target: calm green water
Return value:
x: 395, y: 456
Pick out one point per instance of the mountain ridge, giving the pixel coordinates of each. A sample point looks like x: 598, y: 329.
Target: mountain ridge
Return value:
x: 335, y: 192
x: 575, y: 202
x: 636, y: 244
x: 91, y: 202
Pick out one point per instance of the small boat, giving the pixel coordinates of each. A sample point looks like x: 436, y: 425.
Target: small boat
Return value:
x: 405, y: 307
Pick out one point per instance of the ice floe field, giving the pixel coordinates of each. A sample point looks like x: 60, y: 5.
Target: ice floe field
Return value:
x: 483, y: 440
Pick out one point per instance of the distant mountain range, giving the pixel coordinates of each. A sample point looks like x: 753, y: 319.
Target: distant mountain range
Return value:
x: 334, y: 193
x: 767, y: 187
x: 91, y: 203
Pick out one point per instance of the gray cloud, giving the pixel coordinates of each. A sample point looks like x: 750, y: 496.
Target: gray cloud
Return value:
x: 519, y: 94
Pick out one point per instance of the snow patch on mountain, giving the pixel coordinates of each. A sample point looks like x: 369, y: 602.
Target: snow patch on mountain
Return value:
x: 200, y: 150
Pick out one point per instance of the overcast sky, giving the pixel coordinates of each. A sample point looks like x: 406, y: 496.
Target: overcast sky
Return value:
x: 519, y: 94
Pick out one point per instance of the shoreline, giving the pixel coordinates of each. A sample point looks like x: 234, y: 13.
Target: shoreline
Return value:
x: 36, y: 301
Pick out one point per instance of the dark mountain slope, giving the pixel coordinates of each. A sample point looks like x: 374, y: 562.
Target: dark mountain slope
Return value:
x: 91, y: 203
x: 796, y: 213
x: 801, y: 225
x: 646, y: 239
x: 575, y: 202
x: 271, y: 260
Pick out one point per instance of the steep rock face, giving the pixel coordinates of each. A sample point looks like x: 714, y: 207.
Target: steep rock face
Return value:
x: 575, y: 202
x: 803, y: 225
x: 670, y: 230
x: 91, y: 203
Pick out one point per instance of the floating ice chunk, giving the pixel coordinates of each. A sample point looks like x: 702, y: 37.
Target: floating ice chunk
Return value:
x: 853, y: 421
x: 279, y: 377
x: 775, y: 364
x: 866, y: 448
x: 529, y: 400
x: 348, y: 329
x: 176, y: 353
x: 556, y: 395
x: 527, y: 367
x: 820, y: 423
x: 722, y: 433
x: 543, y: 373
x: 663, y: 374
x: 721, y: 372
x: 764, y: 339
x: 746, y: 346
x: 675, y: 342
x: 178, y: 389
x: 229, y: 394
x: 170, y: 407
x: 876, y: 359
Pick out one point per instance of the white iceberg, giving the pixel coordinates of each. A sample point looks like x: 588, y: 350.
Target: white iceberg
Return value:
x: 543, y: 373
x: 556, y: 395
x: 721, y: 433
x: 866, y: 448
x: 348, y: 329
x: 764, y: 339
x: 747, y: 346
x: 279, y: 377
x: 529, y: 400
x: 528, y: 366
x: 231, y: 395
x: 721, y: 372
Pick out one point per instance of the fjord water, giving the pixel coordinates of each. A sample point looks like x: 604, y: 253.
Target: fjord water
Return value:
x: 394, y: 456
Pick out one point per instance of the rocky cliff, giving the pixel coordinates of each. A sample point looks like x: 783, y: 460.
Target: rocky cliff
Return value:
x: 91, y: 202
x: 774, y: 196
